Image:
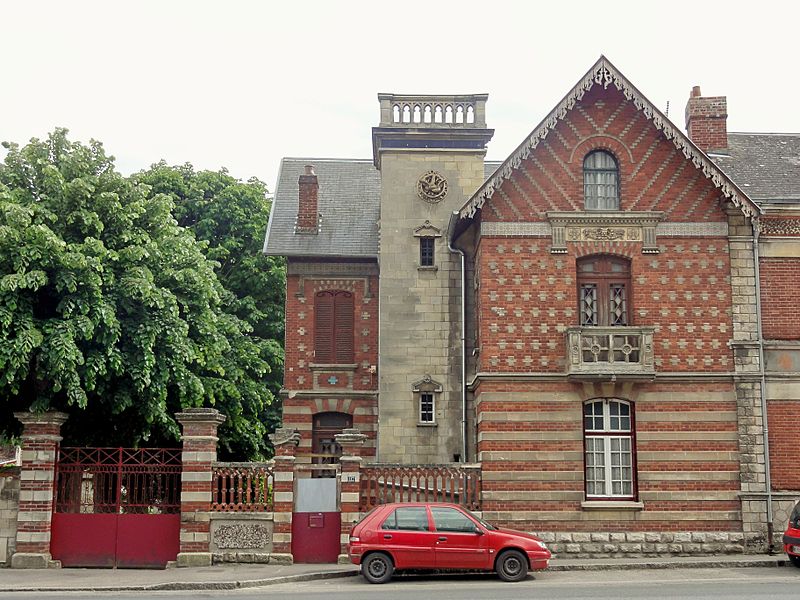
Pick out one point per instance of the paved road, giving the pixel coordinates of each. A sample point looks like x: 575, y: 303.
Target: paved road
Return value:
x: 781, y: 583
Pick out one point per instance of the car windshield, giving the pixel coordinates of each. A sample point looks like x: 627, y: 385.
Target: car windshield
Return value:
x: 488, y: 526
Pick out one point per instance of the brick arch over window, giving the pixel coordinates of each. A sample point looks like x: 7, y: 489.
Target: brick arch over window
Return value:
x: 334, y: 316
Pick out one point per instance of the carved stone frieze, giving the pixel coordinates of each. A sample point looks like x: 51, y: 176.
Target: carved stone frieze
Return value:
x: 604, y: 226
x: 241, y: 536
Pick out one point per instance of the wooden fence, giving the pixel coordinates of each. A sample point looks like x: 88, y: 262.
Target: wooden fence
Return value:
x: 458, y: 484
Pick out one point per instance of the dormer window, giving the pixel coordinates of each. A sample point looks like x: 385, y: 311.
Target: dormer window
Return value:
x: 600, y: 181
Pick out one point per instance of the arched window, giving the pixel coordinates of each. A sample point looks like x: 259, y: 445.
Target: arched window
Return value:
x: 324, y: 448
x: 604, y: 284
x: 333, y: 327
x: 600, y: 181
x: 608, y: 429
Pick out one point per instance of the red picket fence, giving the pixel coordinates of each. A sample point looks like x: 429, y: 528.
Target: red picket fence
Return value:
x: 458, y: 484
x: 242, y: 487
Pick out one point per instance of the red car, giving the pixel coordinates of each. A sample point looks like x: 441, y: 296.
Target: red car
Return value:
x: 791, y: 539
x: 440, y: 536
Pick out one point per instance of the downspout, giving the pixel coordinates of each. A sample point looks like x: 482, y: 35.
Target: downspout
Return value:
x: 763, y: 381
x: 450, y: 229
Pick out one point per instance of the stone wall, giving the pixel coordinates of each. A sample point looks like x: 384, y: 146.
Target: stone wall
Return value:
x: 633, y: 544
x: 241, y: 537
x: 9, y: 503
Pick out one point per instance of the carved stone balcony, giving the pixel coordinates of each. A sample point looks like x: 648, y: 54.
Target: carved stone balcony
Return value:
x: 606, y: 352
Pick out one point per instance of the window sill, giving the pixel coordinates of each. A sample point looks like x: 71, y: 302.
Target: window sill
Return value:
x: 432, y: 268
x: 333, y: 367
x: 427, y: 424
x: 611, y: 505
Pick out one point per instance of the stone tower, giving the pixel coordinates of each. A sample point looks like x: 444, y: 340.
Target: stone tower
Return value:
x: 430, y: 153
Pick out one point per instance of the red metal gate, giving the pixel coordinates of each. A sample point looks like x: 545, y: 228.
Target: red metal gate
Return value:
x: 117, y: 507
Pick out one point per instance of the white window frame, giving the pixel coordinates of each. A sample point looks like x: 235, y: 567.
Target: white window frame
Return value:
x: 422, y: 401
x: 613, y: 430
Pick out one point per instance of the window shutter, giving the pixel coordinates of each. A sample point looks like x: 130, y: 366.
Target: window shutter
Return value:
x: 343, y: 318
x: 323, y: 327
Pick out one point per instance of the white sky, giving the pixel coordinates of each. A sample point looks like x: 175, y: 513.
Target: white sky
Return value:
x: 242, y: 83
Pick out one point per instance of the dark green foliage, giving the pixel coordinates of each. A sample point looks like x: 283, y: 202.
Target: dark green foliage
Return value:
x: 113, y: 311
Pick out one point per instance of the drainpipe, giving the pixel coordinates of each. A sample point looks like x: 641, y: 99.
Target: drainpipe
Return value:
x: 450, y: 228
x: 763, y: 377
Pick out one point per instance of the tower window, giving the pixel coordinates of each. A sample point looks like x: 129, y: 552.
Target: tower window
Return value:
x: 426, y: 251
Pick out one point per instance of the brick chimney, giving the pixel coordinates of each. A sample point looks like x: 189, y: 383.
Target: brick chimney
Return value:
x: 707, y: 121
x: 307, y: 209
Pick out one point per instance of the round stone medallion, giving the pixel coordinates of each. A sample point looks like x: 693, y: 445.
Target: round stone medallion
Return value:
x: 432, y: 187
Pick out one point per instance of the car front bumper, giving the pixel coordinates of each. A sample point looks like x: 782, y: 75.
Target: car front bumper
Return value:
x: 538, y: 560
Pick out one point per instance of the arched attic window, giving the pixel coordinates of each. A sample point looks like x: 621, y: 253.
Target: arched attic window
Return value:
x: 601, y: 181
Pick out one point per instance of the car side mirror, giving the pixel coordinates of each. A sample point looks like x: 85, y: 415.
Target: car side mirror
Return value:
x: 478, y: 530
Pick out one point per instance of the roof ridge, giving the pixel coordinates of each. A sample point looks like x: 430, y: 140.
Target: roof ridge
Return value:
x: 604, y: 73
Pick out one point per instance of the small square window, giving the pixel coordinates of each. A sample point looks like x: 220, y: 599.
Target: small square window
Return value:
x: 426, y: 407
x: 426, y: 251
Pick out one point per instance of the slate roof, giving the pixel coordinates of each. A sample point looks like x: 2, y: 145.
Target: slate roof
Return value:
x: 348, y: 199
x: 766, y: 166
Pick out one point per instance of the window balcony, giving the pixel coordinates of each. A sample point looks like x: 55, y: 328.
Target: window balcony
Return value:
x: 603, y: 352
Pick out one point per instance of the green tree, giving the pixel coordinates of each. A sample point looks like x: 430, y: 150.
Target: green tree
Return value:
x: 231, y: 217
x: 110, y: 310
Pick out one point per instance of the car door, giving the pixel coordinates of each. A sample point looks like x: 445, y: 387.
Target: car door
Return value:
x: 460, y: 542
x: 406, y: 534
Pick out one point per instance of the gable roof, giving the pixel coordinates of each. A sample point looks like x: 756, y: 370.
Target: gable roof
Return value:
x: 349, y: 201
x: 605, y: 74
x: 766, y: 165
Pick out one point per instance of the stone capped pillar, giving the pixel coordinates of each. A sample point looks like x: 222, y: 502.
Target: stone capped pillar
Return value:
x: 352, y: 443
x: 40, y: 440
x: 199, y: 453
x: 285, y: 441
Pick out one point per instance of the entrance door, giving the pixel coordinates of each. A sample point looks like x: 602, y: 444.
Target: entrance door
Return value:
x: 117, y: 507
x: 324, y: 449
x: 316, y: 521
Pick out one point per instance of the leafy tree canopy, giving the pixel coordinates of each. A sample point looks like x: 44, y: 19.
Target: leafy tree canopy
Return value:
x: 113, y: 312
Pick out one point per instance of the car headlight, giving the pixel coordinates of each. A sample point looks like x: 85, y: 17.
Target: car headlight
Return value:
x: 541, y: 545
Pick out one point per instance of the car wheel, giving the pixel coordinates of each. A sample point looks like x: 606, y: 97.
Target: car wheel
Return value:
x: 795, y: 560
x: 377, y: 568
x: 512, y: 565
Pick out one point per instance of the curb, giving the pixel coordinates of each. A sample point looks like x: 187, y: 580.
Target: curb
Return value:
x: 188, y: 586
x: 319, y: 575
x: 670, y: 564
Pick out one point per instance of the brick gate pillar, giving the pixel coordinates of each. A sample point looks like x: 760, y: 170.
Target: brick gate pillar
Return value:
x: 199, y: 453
x: 352, y: 443
x: 285, y: 441
x: 40, y: 438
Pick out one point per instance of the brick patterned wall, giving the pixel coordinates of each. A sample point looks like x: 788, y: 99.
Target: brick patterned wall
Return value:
x: 654, y: 175
x: 528, y: 297
x: 327, y: 390
x: 783, y: 442
x: 300, y: 292
x: 531, y: 448
x: 780, y: 283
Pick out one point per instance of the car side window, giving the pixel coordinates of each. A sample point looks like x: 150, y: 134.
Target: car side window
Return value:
x: 450, y: 519
x: 412, y: 518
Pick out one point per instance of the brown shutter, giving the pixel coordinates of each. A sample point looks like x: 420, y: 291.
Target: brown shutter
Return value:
x: 344, y: 327
x: 323, y: 327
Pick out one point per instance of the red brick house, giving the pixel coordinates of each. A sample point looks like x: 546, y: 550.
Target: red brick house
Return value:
x: 600, y: 320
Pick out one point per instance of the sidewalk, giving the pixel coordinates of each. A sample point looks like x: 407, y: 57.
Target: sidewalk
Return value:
x: 234, y: 576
